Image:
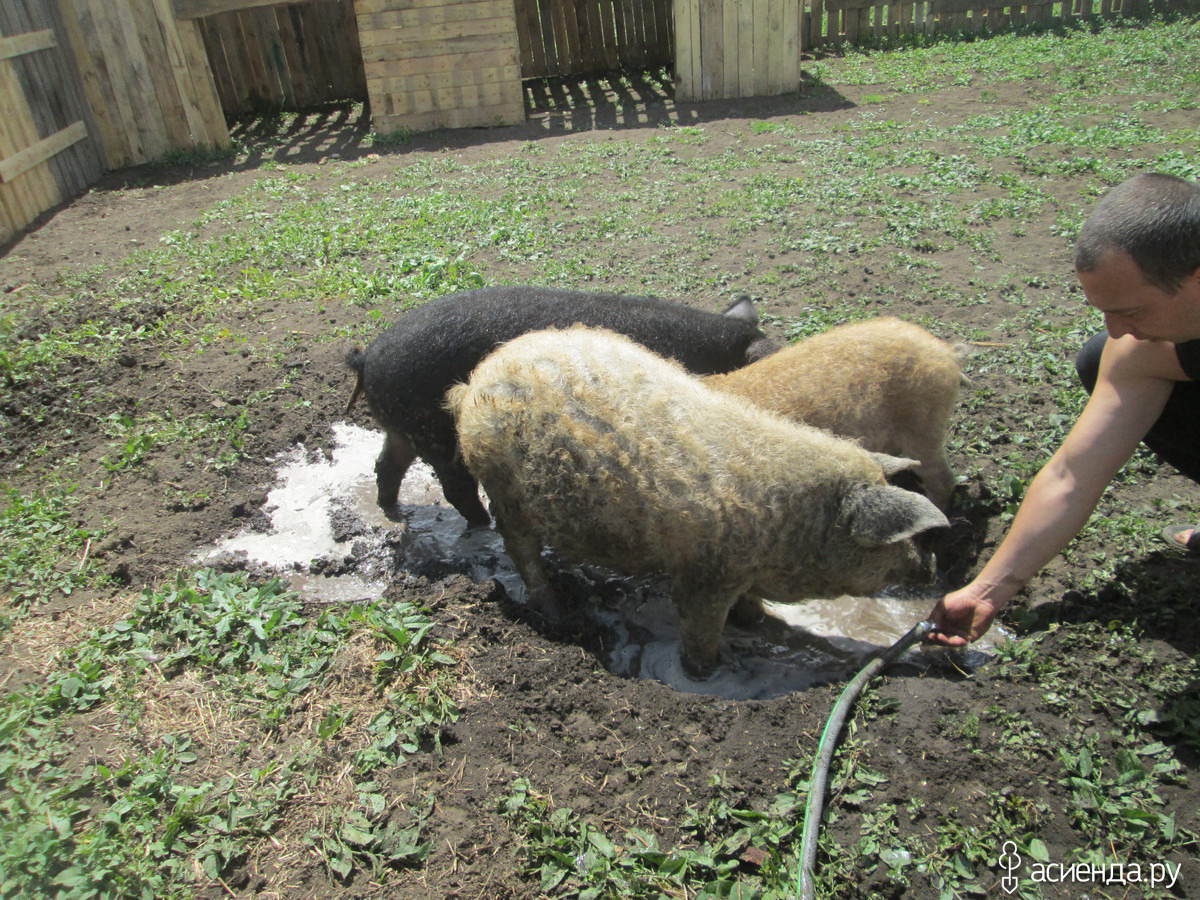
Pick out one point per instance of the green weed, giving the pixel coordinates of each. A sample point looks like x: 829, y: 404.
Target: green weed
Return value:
x: 156, y: 818
x: 43, y: 548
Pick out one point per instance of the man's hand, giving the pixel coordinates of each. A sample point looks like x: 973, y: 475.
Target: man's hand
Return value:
x: 960, y: 618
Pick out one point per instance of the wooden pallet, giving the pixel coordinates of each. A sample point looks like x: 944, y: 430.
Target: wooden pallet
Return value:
x: 437, y: 64
x: 736, y: 48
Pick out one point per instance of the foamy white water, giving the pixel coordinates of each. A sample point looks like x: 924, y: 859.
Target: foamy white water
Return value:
x: 315, y: 496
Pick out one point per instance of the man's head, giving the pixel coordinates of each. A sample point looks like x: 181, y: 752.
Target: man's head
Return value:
x: 1138, y: 259
x: 1153, y: 218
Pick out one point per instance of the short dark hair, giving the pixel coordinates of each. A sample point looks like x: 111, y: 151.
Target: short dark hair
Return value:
x: 1155, y: 218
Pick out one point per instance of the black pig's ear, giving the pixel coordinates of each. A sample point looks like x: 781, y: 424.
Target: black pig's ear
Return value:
x: 878, y: 515
x: 743, y: 308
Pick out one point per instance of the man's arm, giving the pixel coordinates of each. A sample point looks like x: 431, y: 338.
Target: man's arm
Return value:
x: 1132, y: 388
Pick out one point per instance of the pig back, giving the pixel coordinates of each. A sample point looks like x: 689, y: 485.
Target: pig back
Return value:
x: 438, y: 344
x: 884, y: 382
x: 626, y: 460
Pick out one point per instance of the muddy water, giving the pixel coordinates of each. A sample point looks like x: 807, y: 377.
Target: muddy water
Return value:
x: 322, y: 530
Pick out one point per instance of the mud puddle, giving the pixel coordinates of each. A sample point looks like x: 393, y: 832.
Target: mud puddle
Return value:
x: 321, y: 529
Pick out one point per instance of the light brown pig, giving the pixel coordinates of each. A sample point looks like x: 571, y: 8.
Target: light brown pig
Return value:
x: 888, y: 384
x: 588, y: 442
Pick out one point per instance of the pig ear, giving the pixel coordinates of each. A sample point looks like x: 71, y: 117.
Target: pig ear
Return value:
x: 893, y: 464
x: 743, y: 308
x: 881, y: 514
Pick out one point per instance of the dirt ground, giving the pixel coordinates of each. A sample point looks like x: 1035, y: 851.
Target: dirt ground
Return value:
x: 623, y: 753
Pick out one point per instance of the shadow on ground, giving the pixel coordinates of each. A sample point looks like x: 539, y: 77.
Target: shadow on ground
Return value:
x: 553, y: 106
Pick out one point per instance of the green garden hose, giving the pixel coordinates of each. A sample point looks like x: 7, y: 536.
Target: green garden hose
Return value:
x: 805, y: 885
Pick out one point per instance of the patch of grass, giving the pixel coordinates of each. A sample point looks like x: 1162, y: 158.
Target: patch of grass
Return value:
x: 199, y: 156
x: 43, y: 549
x: 223, y: 434
x: 571, y: 856
x: 170, y: 808
x: 1114, y: 782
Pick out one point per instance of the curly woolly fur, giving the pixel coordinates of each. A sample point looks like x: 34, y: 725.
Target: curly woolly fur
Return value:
x: 888, y: 384
x: 612, y: 455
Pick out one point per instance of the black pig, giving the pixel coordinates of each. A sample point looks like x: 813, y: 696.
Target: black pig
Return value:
x: 406, y: 371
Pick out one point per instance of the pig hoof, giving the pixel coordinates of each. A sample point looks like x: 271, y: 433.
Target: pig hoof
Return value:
x: 697, y: 671
x: 545, y: 608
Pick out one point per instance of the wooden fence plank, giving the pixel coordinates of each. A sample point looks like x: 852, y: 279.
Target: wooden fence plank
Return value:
x: 451, y: 76
x: 29, y: 42
x: 705, y: 55
x: 437, y: 30
x: 793, y: 28
x: 159, y: 83
x: 730, y: 48
x: 377, y: 28
x: 689, y: 61
x: 604, y: 10
x: 812, y: 22
x: 125, y: 146
x: 51, y: 108
x: 271, y: 42
x: 216, y: 59
x: 21, y: 205
x: 36, y: 154
x: 562, y: 38
x: 776, y: 64
x: 447, y: 71
x: 395, y: 75
x: 574, y: 39
x: 135, y: 75
x: 585, y: 13
x: 662, y: 24
x: 630, y: 47
x: 442, y: 47
x: 621, y: 14
x: 77, y: 167
x: 203, y: 88
x: 243, y: 40
x: 97, y: 89
x: 197, y: 9
x: 296, y: 58
x: 189, y: 91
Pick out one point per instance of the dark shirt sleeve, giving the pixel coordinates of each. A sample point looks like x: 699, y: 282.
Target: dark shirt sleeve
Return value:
x: 1189, y: 358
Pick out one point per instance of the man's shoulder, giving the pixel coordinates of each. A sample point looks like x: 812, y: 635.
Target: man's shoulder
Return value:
x: 1188, y: 355
x: 1130, y: 359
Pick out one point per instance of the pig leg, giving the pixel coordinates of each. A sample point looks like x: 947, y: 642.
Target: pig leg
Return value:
x: 523, y: 544
x: 701, y: 621
x: 393, y: 462
x: 461, y: 490
x: 936, y: 475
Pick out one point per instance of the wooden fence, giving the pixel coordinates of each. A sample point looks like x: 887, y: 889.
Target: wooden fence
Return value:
x: 46, y: 152
x: 289, y: 56
x: 831, y: 22
x: 736, y: 48
x: 750, y: 48
x: 86, y: 87
x: 589, y: 37
x: 144, y: 78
